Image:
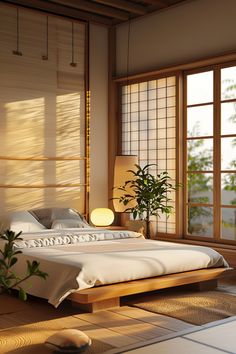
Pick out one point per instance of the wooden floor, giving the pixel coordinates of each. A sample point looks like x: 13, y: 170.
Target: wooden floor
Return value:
x: 25, y: 326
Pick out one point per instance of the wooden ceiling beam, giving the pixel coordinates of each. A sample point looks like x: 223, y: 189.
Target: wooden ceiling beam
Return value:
x: 103, y: 12
x: 156, y: 3
x: 161, y: 4
x: 173, y: 2
x: 93, y: 8
x: 57, y: 9
x: 125, y: 5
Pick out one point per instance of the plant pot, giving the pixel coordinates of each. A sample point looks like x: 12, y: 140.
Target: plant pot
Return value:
x: 136, y: 225
x: 140, y: 226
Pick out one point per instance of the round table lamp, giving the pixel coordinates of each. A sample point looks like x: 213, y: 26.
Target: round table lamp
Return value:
x: 102, y: 217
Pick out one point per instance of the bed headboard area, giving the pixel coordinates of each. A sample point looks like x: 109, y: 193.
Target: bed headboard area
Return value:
x: 43, y: 120
x: 49, y: 218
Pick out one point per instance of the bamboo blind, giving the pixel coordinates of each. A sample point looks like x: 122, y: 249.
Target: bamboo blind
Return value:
x: 42, y: 111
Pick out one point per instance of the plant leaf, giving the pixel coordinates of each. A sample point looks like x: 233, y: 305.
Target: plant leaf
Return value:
x: 22, y: 294
x: 13, y: 261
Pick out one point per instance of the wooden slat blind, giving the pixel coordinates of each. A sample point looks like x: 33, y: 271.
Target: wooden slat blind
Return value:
x: 42, y: 111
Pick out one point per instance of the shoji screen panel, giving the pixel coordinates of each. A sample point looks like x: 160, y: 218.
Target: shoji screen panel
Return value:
x: 149, y: 131
x: 42, y: 111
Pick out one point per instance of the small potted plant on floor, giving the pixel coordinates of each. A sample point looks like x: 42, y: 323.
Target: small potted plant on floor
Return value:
x: 8, y: 257
x: 149, y: 192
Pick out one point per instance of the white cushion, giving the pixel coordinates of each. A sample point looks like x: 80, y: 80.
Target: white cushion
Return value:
x: 68, y: 341
x: 25, y: 222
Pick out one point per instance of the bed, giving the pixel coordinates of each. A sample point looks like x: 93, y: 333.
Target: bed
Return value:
x: 95, y: 267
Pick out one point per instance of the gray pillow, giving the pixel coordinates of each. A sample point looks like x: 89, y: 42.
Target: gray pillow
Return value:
x: 47, y: 216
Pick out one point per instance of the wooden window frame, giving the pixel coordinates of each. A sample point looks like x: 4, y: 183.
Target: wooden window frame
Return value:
x: 221, y: 61
x: 178, y: 136
x: 217, y: 136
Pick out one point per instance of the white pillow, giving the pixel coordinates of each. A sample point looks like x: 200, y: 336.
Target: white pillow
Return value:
x: 68, y: 224
x: 25, y: 222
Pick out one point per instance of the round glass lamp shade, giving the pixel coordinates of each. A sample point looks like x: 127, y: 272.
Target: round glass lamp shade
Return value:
x: 102, y: 217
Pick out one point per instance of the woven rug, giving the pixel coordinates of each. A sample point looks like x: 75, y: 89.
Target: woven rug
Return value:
x: 194, y: 307
x: 97, y: 347
x: 24, y: 326
x: 30, y: 338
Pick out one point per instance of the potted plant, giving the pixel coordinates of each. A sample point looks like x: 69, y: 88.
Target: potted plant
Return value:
x: 149, y: 192
x: 8, y: 258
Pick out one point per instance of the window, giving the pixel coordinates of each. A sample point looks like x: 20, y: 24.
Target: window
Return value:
x: 148, y: 125
x: 210, y: 110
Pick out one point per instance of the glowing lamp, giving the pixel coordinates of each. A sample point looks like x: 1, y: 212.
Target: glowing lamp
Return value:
x: 102, y: 217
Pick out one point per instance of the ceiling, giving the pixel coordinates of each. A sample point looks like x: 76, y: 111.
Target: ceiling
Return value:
x: 106, y: 12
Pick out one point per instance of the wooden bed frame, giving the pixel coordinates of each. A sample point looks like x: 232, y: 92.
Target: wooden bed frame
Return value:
x: 108, y: 296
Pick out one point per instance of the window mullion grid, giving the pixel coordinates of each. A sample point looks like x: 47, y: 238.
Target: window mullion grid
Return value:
x: 188, y: 203
x: 217, y: 157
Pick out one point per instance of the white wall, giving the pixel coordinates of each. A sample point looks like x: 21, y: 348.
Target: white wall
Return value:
x: 190, y: 31
x: 99, y: 116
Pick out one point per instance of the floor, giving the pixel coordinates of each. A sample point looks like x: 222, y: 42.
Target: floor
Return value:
x: 214, y: 338
x: 32, y: 322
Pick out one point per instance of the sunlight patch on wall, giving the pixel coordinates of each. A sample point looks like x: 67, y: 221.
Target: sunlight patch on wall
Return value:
x: 19, y: 173
x: 24, y: 128
x: 68, y: 126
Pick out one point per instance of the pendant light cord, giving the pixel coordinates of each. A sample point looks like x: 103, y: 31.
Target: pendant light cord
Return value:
x: 17, y: 51
x: 45, y: 57
x: 72, y: 45
x: 127, y: 79
x: 17, y: 29
x: 128, y: 46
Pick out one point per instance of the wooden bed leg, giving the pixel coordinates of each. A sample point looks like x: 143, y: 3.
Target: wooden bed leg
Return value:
x: 98, y: 305
x: 205, y: 285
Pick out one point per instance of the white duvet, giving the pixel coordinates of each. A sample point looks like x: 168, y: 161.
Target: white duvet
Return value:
x: 77, y: 265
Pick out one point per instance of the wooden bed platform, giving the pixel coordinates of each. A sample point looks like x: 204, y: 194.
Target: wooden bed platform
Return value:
x: 108, y: 296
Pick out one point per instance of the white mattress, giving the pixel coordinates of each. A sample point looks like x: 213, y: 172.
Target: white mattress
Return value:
x: 82, y: 265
